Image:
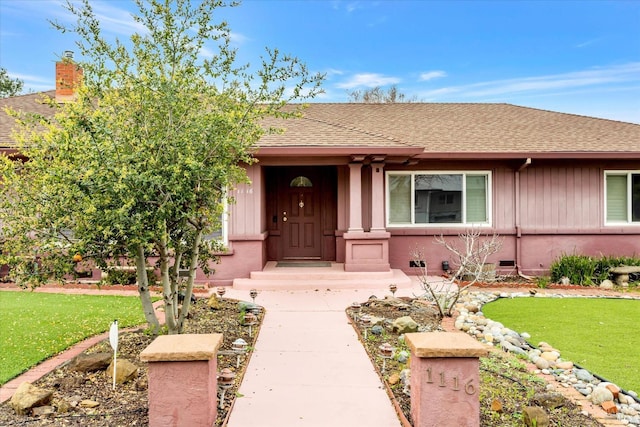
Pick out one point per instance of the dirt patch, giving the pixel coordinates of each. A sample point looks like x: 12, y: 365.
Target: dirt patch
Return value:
x: 128, y: 404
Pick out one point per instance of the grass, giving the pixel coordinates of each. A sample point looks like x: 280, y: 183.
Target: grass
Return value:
x: 36, y: 326
x: 598, y: 334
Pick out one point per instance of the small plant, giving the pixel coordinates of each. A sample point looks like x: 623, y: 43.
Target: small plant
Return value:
x: 588, y: 271
x: 470, y: 258
x: 543, y: 282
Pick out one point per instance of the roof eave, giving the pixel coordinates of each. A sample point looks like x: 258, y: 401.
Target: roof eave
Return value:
x: 627, y: 155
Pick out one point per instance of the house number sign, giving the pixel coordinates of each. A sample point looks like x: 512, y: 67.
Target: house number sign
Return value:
x: 442, y: 379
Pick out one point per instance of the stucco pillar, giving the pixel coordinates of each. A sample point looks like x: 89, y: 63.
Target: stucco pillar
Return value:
x: 355, y: 197
x: 445, y: 379
x: 183, y: 387
x: 377, y: 197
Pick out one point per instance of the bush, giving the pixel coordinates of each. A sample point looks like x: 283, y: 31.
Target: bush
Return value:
x: 126, y: 277
x: 588, y: 271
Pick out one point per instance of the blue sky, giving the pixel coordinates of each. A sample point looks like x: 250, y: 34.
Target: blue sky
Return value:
x: 580, y: 57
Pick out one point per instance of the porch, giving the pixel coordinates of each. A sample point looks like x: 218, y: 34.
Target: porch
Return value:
x: 306, y: 275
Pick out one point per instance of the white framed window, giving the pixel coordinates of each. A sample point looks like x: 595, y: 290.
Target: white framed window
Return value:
x: 221, y: 234
x: 437, y: 198
x: 622, y: 197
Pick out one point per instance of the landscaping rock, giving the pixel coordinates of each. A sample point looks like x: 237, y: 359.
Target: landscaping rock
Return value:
x: 549, y: 400
x: 394, y: 378
x: 377, y: 330
x: 125, y: 371
x: 91, y: 362
x: 606, y: 284
x: 88, y: 403
x: 403, y: 325
x: 28, y: 396
x: 584, y: 375
x: 40, y: 411
x: 534, y: 416
x: 600, y: 394
x: 542, y: 363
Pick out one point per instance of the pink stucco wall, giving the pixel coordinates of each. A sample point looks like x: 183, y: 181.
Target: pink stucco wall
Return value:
x: 546, y: 209
x: 194, y: 404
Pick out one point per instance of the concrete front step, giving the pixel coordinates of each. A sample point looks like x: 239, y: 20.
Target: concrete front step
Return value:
x: 305, y: 278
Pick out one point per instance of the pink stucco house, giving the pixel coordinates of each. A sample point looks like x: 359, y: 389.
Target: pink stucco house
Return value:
x: 361, y: 185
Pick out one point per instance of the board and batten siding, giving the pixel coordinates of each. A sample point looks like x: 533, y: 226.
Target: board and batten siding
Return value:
x: 561, y: 199
x: 504, y: 202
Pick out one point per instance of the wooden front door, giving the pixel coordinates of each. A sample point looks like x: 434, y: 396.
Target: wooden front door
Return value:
x: 300, y: 214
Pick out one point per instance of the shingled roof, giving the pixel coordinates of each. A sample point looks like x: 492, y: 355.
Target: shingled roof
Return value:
x: 433, y: 129
x: 458, y: 129
x: 31, y: 103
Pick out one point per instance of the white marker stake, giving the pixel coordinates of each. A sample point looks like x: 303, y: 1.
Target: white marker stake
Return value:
x: 113, y: 340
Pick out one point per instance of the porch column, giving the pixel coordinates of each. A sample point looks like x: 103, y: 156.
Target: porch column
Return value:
x: 377, y: 196
x: 355, y: 197
x: 366, y: 251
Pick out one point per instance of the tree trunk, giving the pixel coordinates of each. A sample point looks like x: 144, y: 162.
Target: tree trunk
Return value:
x: 168, y: 291
x: 143, y: 290
x: 193, y: 266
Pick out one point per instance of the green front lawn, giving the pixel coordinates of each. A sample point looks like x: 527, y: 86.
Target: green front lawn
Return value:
x: 36, y: 326
x: 601, y: 335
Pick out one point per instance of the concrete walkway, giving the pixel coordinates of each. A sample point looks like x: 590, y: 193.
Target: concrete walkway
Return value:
x: 308, y: 367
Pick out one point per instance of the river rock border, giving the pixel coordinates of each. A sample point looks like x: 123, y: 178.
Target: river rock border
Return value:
x: 622, y: 405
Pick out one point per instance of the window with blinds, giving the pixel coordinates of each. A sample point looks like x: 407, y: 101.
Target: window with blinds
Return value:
x: 622, y: 197
x: 421, y: 198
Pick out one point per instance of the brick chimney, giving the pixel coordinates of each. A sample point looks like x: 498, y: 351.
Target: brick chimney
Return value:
x: 68, y: 77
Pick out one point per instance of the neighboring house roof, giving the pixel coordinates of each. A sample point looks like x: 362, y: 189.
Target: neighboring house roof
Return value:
x: 425, y: 130
x: 30, y: 103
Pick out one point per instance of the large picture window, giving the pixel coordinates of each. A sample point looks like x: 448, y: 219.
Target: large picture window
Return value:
x: 423, y: 198
x: 622, y: 197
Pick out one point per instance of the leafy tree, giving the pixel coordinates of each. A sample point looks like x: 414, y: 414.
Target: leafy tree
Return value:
x: 377, y: 95
x: 139, y: 166
x: 8, y: 86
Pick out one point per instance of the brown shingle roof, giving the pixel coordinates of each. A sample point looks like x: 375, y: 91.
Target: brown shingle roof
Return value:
x: 30, y: 103
x: 457, y: 128
x: 453, y: 129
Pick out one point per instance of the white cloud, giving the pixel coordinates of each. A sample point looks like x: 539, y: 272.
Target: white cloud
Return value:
x: 590, y: 78
x: 368, y: 80
x: 430, y: 75
x: 116, y: 20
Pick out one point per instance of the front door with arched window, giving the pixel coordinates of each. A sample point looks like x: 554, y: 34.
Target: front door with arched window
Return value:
x: 303, y: 213
x: 301, y: 229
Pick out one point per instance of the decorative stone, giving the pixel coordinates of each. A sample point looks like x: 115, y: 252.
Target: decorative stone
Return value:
x: 609, y: 406
x: 404, y: 325
x: 28, y: 396
x: 534, y: 416
x: 614, y: 389
x: 40, y: 411
x: 542, y: 363
x: 394, y: 378
x: 125, y: 371
x: 600, y: 394
x: 583, y: 375
x: 91, y: 362
x: 377, y: 330
x: 87, y: 403
x: 549, y: 400
x: 402, y: 356
x: 606, y: 284
x: 564, y: 365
